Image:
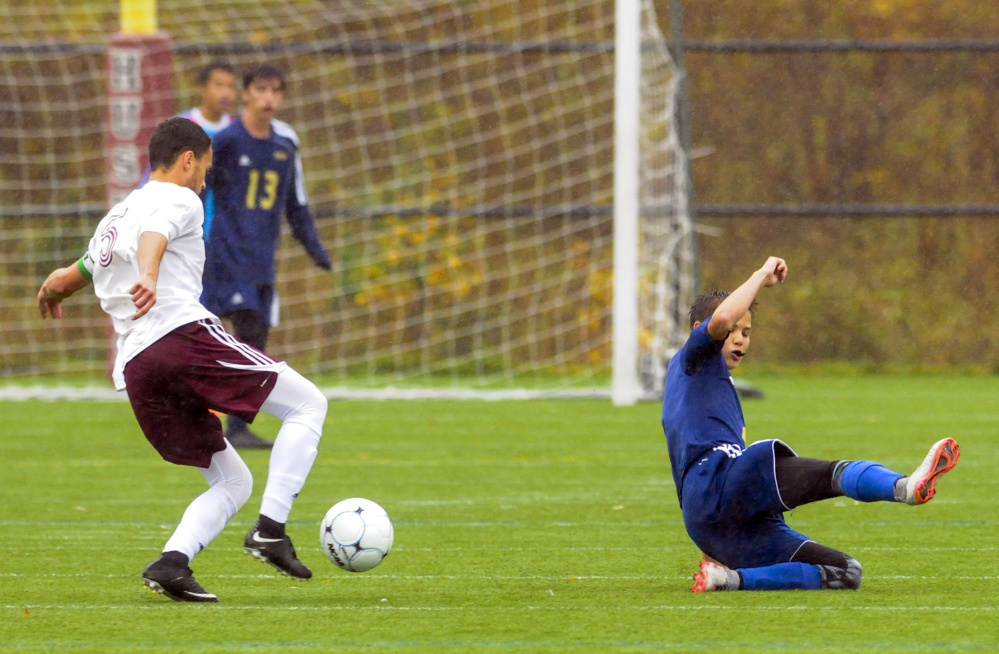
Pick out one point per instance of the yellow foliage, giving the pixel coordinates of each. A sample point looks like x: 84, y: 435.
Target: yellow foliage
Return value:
x: 436, y: 276
x: 645, y: 338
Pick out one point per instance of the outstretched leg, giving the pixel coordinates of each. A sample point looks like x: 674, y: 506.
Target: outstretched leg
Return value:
x: 802, y: 480
x: 301, y: 407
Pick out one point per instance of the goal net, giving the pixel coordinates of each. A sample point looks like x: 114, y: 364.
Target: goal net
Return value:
x: 458, y: 158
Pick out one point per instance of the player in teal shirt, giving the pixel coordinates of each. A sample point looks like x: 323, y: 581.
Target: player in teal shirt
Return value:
x: 732, y: 496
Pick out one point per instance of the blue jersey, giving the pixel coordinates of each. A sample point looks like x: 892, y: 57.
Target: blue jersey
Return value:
x: 701, y: 408
x: 255, y: 182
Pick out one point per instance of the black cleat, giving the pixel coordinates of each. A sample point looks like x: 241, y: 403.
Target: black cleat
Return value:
x: 244, y: 439
x: 177, y: 583
x: 278, y: 552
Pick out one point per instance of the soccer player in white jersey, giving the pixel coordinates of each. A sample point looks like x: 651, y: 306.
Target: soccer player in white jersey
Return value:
x: 178, y: 364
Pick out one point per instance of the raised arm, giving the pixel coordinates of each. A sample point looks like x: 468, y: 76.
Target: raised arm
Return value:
x: 58, y: 286
x: 738, y: 302
x: 152, y: 245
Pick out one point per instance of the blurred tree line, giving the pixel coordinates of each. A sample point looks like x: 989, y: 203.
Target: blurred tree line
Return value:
x: 844, y: 127
x: 853, y: 127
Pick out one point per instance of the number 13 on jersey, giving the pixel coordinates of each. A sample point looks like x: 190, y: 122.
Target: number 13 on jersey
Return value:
x: 269, y: 191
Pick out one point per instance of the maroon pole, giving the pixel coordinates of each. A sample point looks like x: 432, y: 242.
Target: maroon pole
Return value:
x: 140, y: 96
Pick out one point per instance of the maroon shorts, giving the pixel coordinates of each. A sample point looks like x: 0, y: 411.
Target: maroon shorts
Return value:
x: 174, y: 383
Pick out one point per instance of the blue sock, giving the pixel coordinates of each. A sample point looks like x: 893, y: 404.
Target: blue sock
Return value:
x: 782, y: 576
x: 869, y: 482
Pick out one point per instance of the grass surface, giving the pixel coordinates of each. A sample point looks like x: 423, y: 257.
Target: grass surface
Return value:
x: 525, y: 526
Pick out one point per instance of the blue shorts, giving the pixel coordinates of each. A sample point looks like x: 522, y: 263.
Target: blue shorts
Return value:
x: 223, y: 299
x: 733, y: 510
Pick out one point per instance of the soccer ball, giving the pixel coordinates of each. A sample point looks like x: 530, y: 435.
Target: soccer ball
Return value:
x: 356, y: 534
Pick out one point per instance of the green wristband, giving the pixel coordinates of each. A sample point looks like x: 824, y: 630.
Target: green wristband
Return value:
x: 83, y: 270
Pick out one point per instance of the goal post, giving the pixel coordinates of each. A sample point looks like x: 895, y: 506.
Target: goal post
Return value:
x: 625, y: 386
x: 491, y: 234
x: 655, y: 259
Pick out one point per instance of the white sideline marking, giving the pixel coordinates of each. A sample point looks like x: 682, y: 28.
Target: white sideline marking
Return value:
x: 561, y: 609
x: 38, y: 392
x: 555, y: 578
x: 350, y: 579
x: 110, y: 527
x: 22, y: 393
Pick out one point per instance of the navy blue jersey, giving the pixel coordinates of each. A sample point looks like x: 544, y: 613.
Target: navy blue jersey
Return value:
x: 701, y: 408
x: 255, y: 182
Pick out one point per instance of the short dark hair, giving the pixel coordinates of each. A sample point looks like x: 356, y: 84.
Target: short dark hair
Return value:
x: 263, y: 72
x: 705, y: 305
x: 173, y: 137
x: 205, y: 73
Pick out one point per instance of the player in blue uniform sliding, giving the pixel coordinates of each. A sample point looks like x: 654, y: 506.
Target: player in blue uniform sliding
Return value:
x: 733, y: 497
x: 257, y: 179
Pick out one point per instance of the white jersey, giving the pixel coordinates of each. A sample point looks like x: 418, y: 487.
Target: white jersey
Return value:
x: 211, y: 127
x: 175, y: 212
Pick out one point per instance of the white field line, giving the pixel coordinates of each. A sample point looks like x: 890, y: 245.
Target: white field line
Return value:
x: 469, y: 577
x: 107, y: 393
x: 270, y: 608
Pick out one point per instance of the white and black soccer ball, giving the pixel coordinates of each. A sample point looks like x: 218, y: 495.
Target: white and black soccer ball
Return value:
x: 356, y: 534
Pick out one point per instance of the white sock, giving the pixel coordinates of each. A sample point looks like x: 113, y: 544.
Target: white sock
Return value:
x: 901, y: 489
x: 230, y: 485
x: 301, y: 407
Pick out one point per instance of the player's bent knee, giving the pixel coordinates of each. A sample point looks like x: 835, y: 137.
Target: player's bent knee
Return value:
x: 240, y: 485
x: 298, y: 400
x: 320, y: 404
x: 243, y: 492
x: 231, y: 477
x: 313, y: 409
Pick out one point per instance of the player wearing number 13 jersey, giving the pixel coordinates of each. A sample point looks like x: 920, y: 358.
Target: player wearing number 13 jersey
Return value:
x: 256, y: 180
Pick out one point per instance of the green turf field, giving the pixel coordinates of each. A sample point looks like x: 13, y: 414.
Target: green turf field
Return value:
x: 520, y: 526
